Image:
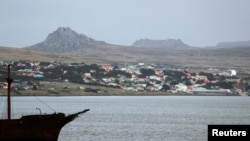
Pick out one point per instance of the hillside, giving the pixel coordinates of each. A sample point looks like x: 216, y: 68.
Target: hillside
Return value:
x: 10, y: 53
x: 170, y: 51
x: 200, y: 57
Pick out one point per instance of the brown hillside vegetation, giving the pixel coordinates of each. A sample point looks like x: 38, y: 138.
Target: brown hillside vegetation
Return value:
x: 9, y: 53
x: 230, y: 57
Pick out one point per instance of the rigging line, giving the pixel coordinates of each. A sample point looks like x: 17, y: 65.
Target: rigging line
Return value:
x: 46, y: 104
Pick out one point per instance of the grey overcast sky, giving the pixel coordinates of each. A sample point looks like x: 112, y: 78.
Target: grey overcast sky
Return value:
x: 195, y: 22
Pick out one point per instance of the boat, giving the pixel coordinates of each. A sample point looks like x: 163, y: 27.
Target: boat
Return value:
x: 40, y: 127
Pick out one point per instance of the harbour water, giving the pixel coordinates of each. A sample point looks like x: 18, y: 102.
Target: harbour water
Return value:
x: 138, y: 118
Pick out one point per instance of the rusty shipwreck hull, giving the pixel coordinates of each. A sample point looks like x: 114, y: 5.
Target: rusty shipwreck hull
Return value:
x: 32, y: 127
x: 35, y: 127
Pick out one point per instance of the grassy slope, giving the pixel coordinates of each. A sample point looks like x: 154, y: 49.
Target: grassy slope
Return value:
x: 234, y: 57
x: 8, y: 53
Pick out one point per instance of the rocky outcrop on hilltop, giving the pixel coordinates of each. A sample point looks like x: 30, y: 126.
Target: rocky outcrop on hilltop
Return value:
x: 65, y: 40
x: 168, y: 43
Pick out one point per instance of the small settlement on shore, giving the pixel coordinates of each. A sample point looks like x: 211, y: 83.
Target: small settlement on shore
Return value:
x: 56, y: 78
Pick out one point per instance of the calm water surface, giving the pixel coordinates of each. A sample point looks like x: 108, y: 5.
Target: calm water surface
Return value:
x: 139, y: 118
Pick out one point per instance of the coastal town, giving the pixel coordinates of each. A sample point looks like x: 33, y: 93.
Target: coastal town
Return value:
x: 55, y: 78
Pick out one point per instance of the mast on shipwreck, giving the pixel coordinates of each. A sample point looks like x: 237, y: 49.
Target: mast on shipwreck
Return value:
x: 9, y: 80
x: 42, y: 127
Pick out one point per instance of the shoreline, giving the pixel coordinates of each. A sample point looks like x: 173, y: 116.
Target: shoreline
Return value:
x: 138, y: 94
x: 101, y: 91
x: 71, y: 89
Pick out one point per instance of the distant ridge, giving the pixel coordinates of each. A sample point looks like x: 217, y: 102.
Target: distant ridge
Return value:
x: 65, y: 40
x: 168, y: 43
x: 170, y: 51
x: 232, y: 44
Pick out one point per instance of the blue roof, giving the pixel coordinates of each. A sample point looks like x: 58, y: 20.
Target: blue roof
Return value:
x: 38, y: 76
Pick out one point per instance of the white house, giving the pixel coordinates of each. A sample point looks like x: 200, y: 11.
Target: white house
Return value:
x: 181, y: 87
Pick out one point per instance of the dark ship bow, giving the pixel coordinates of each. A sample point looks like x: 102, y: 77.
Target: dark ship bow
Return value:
x: 35, y: 127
